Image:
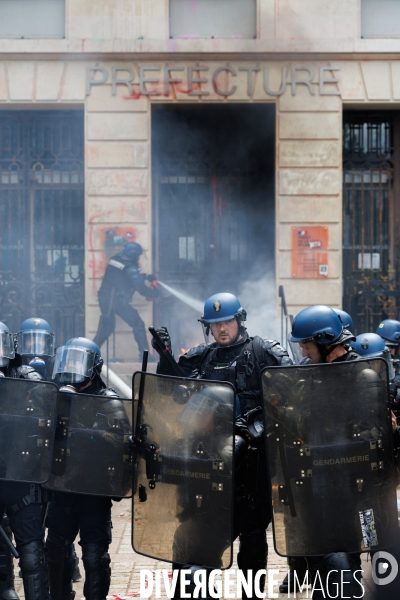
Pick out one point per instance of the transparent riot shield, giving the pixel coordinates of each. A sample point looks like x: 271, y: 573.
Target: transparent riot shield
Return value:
x: 329, y: 446
x: 28, y: 412
x: 91, y: 452
x: 183, y: 467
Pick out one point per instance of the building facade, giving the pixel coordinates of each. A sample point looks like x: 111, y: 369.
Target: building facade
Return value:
x: 214, y: 153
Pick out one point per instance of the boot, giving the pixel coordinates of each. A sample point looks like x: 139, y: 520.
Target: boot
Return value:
x: 252, y: 555
x: 298, y: 565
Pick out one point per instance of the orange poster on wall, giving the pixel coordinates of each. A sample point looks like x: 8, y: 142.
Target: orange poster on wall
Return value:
x: 309, y: 252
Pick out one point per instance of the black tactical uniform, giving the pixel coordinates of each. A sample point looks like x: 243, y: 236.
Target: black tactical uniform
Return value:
x: 241, y: 365
x: 121, y: 280
x: 24, y: 505
x: 89, y: 515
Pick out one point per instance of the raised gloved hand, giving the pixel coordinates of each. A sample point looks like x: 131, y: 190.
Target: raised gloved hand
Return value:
x: 164, y: 335
x: 150, y: 277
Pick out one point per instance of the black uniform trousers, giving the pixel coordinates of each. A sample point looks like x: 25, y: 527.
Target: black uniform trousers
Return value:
x: 90, y: 516
x: 27, y: 522
x: 130, y: 315
x: 21, y: 502
x: 70, y: 514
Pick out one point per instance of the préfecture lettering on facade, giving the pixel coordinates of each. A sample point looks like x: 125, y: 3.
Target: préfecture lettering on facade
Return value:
x: 159, y: 80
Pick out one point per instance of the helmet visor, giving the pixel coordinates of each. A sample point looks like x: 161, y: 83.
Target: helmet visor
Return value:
x: 6, y: 345
x: 296, y: 351
x: 36, y: 342
x: 73, y: 364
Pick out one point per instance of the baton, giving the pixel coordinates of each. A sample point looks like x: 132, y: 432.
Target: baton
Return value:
x: 141, y: 393
x: 9, y: 543
x: 165, y: 352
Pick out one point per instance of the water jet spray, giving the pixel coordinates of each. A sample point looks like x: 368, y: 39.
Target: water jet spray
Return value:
x: 188, y: 300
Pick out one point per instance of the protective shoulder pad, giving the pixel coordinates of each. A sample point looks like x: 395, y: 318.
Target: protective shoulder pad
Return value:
x: 274, y: 349
x: 27, y: 372
x: 116, y: 264
x: 197, y: 351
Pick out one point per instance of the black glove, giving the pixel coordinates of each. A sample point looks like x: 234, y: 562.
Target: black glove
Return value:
x: 164, y: 335
x: 151, y: 277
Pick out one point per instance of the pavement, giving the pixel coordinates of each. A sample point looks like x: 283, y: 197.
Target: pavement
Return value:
x: 126, y: 564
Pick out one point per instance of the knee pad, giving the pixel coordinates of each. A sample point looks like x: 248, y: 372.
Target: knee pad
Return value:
x: 96, y: 562
x: 31, y: 557
x: 34, y: 572
x: 95, y: 556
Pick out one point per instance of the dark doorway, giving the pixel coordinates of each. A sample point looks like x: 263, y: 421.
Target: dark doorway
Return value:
x: 371, y: 195
x: 42, y: 219
x: 213, y: 204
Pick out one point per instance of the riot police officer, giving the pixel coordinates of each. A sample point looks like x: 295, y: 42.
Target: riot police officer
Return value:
x: 77, y: 368
x: 239, y: 359
x: 323, y: 339
x: 23, y: 504
x: 389, y: 330
x: 371, y: 345
x: 121, y: 280
x: 36, y: 346
x: 33, y: 360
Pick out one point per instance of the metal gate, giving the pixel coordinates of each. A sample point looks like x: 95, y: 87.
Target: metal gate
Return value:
x: 213, y: 193
x: 370, y: 213
x: 42, y: 219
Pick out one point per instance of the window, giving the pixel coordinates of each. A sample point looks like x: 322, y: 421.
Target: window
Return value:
x: 32, y: 18
x: 380, y: 18
x: 212, y: 19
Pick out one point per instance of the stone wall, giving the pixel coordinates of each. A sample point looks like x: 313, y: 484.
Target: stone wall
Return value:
x: 117, y: 148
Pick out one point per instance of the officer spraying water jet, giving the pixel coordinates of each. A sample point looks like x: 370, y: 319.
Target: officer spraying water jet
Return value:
x: 121, y: 280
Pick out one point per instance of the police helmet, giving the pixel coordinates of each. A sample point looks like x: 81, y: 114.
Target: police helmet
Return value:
x: 35, y: 338
x: 209, y: 410
x: 371, y: 345
x: 318, y: 323
x: 132, y: 250
x: 222, y: 307
x: 6, y: 345
x: 389, y: 330
x: 345, y: 318
x: 78, y: 361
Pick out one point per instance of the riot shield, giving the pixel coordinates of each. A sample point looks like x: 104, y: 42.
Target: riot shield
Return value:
x: 183, y: 470
x: 27, y: 424
x: 329, y: 446
x: 91, y: 451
